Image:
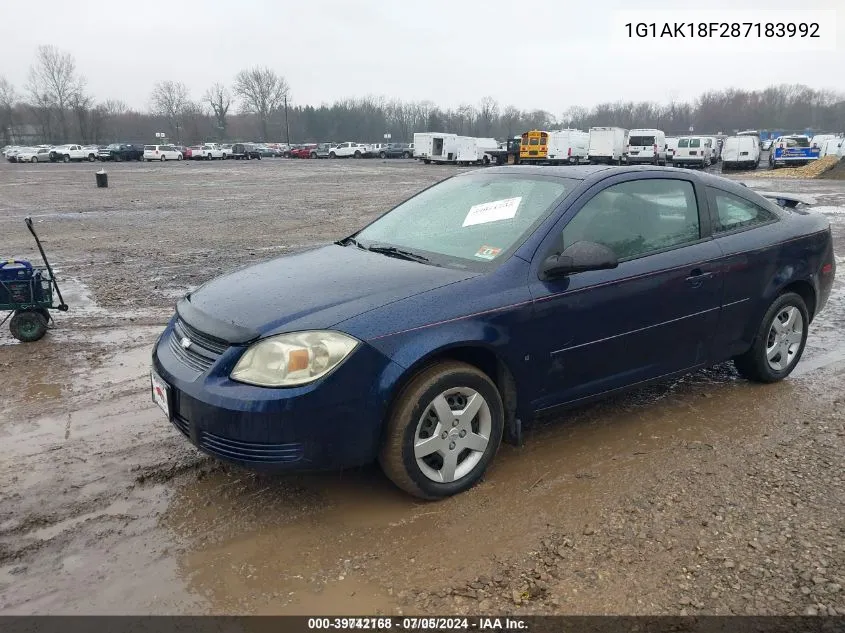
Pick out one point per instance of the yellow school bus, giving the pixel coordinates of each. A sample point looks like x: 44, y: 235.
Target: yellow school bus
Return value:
x: 534, y: 146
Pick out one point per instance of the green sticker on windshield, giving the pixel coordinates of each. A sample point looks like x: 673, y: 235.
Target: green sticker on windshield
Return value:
x: 488, y: 252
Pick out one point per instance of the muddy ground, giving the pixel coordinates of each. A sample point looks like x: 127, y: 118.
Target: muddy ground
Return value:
x: 705, y: 495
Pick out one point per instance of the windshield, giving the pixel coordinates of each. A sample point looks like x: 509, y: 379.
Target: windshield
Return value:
x: 642, y: 141
x: 472, y: 221
x: 114, y: 146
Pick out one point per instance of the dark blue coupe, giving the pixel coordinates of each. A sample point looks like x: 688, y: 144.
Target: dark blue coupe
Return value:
x: 426, y: 337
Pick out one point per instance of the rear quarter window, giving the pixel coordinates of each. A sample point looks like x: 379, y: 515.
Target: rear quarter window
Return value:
x: 733, y: 212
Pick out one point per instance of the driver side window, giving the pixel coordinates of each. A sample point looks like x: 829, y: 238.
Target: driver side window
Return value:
x: 638, y: 217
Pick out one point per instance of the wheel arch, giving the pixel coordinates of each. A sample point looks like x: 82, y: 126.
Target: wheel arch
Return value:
x: 806, y: 291
x: 476, y: 354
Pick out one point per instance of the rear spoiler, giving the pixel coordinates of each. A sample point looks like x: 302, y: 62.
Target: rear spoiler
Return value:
x: 784, y: 199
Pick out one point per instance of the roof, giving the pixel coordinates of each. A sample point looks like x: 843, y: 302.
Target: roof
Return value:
x: 578, y: 172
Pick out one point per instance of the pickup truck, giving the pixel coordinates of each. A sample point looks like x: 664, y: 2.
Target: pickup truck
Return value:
x: 395, y: 150
x: 67, y: 153
x: 347, y: 150
x: 207, y: 151
x: 794, y: 149
x: 227, y: 150
x: 121, y: 151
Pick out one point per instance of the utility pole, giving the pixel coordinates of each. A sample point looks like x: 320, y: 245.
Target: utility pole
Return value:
x: 287, y: 126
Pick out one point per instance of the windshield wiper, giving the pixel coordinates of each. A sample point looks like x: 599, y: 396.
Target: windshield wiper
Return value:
x: 398, y: 253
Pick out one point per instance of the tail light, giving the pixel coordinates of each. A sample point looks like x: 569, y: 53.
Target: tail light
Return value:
x: 654, y: 148
x: 569, y: 152
x: 827, y: 269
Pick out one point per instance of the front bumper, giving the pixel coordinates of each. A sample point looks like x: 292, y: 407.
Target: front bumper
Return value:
x: 333, y: 423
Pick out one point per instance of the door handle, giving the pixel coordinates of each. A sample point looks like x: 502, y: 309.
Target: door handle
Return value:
x: 697, y: 276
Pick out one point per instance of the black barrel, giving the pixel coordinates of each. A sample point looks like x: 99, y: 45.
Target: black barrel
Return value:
x: 102, y: 179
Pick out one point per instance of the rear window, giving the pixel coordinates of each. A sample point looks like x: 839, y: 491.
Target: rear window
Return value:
x: 684, y: 142
x: 534, y: 141
x: 695, y: 142
x: 642, y: 141
x: 797, y: 141
x: 149, y: 147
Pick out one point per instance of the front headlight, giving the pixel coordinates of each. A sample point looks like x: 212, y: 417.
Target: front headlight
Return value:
x: 293, y: 359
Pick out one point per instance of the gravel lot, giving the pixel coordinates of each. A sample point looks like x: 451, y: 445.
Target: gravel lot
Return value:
x: 707, y: 495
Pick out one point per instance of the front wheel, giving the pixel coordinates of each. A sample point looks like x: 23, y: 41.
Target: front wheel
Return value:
x: 332, y: 155
x: 179, y: 157
x: 33, y: 160
x: 443, y: 431
x: 66, y: 158
x: 313, y: 154
x: 779, y: 342
x: 28, y: 325
x: 163, y: 158
x: 357, y: 155
x: 91, y: 158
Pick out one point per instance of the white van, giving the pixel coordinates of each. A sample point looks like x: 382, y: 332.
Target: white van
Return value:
x: 715, y: 149
x: 472, y: 150
x: 671, y: 147
x: 569, y: 146
x: 741, y: 152
x: 435, y: 147
x: 647, y: 146
x: 833, y: 147
x: 819, y: 140
x: 607, y: 144
x: 161, y: 152
x: 693, y: 150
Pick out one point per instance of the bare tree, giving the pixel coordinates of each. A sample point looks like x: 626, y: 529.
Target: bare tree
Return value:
x: 170, y: 101
x: 262, y: 92
x: 8, y: 98
x: 488, y: 112
x: 81, y: 104
x: 220, y: 99
x: 53, y: 83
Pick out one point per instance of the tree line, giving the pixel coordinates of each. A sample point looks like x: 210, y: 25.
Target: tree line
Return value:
x: 256, y: 105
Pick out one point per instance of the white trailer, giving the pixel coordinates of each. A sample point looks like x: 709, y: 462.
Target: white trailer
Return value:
x: 435, y: 147
x: 569, y: 146
x: 472, y: 150
x: 607, y: 144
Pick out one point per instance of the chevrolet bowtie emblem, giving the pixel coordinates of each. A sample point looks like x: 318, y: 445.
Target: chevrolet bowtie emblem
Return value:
x: 185, y: 342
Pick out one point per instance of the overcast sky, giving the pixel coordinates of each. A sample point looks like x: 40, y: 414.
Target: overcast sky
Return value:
x: 547, y: 54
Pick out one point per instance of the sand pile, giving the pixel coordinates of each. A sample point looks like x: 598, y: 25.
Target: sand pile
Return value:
x: 813, y: 170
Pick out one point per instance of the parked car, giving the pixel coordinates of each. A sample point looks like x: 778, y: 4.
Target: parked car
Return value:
x: 245, y: 151
x: 33, y: 155
x: 766, y: 145
x: 396, y: 150
x: 740, y: 152
x: 226, y: 148
x: 693, y: 150
x: 161, y: 152
x: 792, y: 149
x: 206, y: 151
x: 321, y: 150
x: 121, y: 151
x: 11, y: 153
x: 647, y: 146
x: 671, y: 148
x: 269, y: 152
x: 302, y: 151
x: 348, y: 150
x: 70, y: 152
x: 494, y: 296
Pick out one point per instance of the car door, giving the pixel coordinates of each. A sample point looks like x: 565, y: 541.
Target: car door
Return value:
x: 651, y: 316
x: 746, y: 233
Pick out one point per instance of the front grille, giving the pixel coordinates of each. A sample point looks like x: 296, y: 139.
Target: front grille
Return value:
x: 250, y: 451
x: 182, y: 424
x: 203, y: 351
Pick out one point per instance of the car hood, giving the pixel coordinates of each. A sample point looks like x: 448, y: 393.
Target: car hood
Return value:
x: 312, y: 290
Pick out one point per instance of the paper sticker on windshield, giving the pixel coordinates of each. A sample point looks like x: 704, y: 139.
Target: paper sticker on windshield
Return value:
x: 492, y: 211
x: 488, y: 252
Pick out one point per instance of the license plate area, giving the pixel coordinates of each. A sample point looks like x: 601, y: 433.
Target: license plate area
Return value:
x: 160, y: 393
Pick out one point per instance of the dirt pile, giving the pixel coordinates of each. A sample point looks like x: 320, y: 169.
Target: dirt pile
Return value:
x: 836, y: 173
x: 813, y: 170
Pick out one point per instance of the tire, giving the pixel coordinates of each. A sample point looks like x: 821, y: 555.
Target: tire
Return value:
x: 313, y: 154
x: 332, y: 155
x: 65, y: 158
x: 413, y: 413
x: 356, y: 155
x: 162, y: 159
x: 28, y: 325
x: 406, y: 155
x: 118, y: 158
x: 91, y: 158
x: 769, y: 340
x: 179, y: 157
x: 34, y: 159
x: 382, y: 155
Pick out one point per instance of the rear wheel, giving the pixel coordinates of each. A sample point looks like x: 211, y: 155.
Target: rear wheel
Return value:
x: 28, y: 325
x: 779, y: 341
x: 66, y: 158
x: 162, y: 159
x: 406, y: 155
x: 332, y: 155
x: 443, y: 431
x: 313, y: 154
x: 179, y: 157
x: 33, y: 160
x: 91, y: 158
x: 357, y: 155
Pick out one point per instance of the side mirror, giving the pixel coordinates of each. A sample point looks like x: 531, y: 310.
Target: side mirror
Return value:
x: 578, y: 257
